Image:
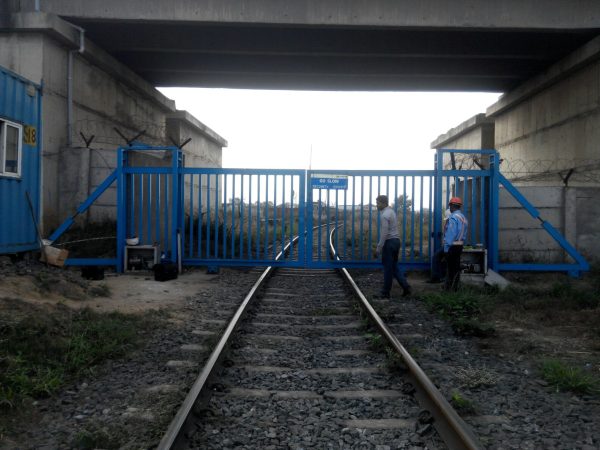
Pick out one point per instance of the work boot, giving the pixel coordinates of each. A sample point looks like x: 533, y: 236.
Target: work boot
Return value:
x: 406, y: 291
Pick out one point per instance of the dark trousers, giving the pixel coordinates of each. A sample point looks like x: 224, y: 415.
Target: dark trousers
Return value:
x: 453, y: 261
x: 391, y: 270
x: 438, y: 268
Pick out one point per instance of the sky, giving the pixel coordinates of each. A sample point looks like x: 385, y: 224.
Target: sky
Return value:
x: 345, y: 130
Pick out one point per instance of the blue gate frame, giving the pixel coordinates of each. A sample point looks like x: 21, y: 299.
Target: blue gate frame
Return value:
x: 245, y: 217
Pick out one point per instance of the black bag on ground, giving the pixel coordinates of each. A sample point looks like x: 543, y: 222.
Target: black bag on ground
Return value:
x: 165, y: 271
x: 92, y: 272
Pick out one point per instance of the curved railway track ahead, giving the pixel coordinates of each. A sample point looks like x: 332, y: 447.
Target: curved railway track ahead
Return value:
x: 302, y: 371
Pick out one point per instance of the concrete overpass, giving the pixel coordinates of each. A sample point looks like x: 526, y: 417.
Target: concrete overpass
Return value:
x: 545, y: 57
x: 470, y: 45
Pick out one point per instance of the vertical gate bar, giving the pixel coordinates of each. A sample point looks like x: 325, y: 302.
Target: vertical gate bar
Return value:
x: 157, y: 208
x: 166, y: 213
x: 430, y: 224
x: 258, y: 227
x: 291, y: 232
x: 249, y: 237
x: 216, y: 216
x: 412, y: 220
x: 482, y: 221
x: 404, y: 202
x: 191, y: 225
x: 265, y: 254
x: 362, y: 207
x: 445, y: 203
x: 301, y: 219
x: 472, y: 229
x: 241, y: 226
x: 309, y: 215
x: 493, y: 214
x: 200, y: 216
x: 396, y: 197
x: 370, y: 242
x: 345, y: 239
x: 233, y: 212
x: 130, y: 198
x: 147, y: 207
x: 178, y: 206
x: 337, y: 218
x: 319, y: 229
x: 175, y: 199
x: 224, y: 244
x: 466, y: 204
x: 327, y: 220
x: 292, y: 216
x: 353, y: 236
x: 421, y: 218
x: 140, y: 208
x: 437, y: 209
x: 283, y: 215
x: 122, y: 185
x: 274, y: 249
x: 377, y: 220
x: 208, y: 216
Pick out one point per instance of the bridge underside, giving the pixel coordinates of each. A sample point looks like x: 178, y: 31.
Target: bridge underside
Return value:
x: 332, y: 58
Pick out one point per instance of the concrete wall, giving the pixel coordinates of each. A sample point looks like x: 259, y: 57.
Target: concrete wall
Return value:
x: 106, y: 95
x: 551, y: 124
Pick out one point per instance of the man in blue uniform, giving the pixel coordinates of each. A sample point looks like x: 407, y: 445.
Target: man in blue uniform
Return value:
x: 454, y: 240
x: 388, y: 248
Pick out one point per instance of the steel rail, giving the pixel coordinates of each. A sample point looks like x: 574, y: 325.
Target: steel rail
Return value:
x: 447, y: 422
x: 170, y: 439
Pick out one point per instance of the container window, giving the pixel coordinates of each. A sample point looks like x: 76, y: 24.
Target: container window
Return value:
x: 10, y: 148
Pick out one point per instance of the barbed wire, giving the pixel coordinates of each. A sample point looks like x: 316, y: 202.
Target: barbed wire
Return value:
x: 516, y: 169
x: 102, y: 131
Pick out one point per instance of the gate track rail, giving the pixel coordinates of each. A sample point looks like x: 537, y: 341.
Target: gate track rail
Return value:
x: 447, y: 422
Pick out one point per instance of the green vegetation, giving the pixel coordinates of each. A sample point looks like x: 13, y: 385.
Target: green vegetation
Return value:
x: 462, y: 309
x: 567, y: 378
x: 376, y: 342
x: 41, y: 352
x: 461, y: 404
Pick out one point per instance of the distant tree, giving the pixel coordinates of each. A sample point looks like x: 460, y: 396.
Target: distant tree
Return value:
x: 402, y: 200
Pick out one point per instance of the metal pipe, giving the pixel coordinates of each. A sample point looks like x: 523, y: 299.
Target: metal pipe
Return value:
x: 70, y: 83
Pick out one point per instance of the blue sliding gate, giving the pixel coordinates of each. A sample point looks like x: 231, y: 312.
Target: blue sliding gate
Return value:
x: 246, y: 217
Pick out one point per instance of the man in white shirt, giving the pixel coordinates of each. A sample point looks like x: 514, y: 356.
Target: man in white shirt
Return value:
x: 388, y: 248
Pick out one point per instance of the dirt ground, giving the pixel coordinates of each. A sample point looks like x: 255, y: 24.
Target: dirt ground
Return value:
x: 126, y: 293
x: 521, y: 330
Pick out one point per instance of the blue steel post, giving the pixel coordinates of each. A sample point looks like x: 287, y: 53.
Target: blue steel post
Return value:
x: 493, y: 205
x: 175, y: 204
x: 308, y: 255
x: 301, y: 220
x: 121, y: 210
x: 437, y: 208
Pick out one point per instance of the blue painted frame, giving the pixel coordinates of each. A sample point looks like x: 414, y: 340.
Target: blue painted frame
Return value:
x: 141, y: 189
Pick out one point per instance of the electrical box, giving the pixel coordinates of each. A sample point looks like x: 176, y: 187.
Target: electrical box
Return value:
x: 140, y: 257
x: 474, y: 260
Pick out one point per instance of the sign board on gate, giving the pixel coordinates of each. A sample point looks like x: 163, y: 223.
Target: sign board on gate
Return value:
x: 328, y: 181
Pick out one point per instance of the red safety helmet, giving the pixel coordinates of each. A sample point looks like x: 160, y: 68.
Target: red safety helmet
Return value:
x: 455, y: 201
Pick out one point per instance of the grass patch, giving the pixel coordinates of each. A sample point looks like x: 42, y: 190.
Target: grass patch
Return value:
x: 461, y: 404
x: 40, y: 352
x: 462, y: 309
x: 568, y: 378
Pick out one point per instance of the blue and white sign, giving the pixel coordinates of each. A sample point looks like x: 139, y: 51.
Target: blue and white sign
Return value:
x: 328, y: 181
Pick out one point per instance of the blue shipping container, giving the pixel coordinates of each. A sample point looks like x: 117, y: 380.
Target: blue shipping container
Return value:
x: 20, y: 137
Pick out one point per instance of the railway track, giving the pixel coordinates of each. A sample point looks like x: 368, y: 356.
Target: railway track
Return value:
x: 302, y: 364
